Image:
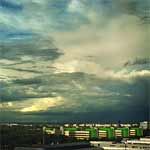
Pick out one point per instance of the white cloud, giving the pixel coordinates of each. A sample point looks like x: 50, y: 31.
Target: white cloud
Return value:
x: 6, y: 62
x: 75, y: 6
x: 124, y: 74
x: 96, y: 69
x: 69, y: 67
x: 109, y: 46
x: 76, y: 66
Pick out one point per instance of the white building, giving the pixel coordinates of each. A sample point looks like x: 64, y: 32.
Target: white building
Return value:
x: 142, y: 144
x: 144, y: 124
x: 102, y: 134
x: 78, y: 134
x: 145, y: 141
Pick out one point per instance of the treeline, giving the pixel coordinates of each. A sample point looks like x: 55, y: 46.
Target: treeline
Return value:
x: 12, y: 136
x: 19, y: 135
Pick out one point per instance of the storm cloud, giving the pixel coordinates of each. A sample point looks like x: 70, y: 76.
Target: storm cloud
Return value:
x: 64, y: 60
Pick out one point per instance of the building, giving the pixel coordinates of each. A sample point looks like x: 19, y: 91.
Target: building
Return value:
x: 76, y: 133
x: 122, y: 132
x: 49, y: 130
x: 82, y: 135
x: 107, y: 133
x: 145, y: 141
x: 142, y: 144
x: 138, y: 132
x: 144, y: 125
x: 93, y: 132
x: 104, y: 133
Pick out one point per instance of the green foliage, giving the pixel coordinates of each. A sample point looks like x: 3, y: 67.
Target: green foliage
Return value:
x: 20, y: 135
x: 13, y: 136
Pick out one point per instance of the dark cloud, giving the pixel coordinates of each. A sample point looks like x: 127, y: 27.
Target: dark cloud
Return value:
x: 27, y: 81
x: 23, y: 70
x: 89, y: 95
x: 18, y: 93
x: 9, y: 5
x: 32, y: 49
x: 117, y: 8
x: 138, y: 61
x: 14, y: 94
x: 135, y: 7
x: 66, y: 117
x: 7, y: 94
x: 18, y: 90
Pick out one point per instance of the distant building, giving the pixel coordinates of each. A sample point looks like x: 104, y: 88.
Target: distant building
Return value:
x: 142, y: 144
x: 144, y: 125
x: 82, y: 135
x: 106, y: 132
x: 93, y: 132
x: 145, y: 141
x: 76, y: 133
x: 122, y: 132
x: 51, y: 130
x: 136, y: 132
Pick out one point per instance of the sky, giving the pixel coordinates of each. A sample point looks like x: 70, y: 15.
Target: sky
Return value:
x: 74, y: 60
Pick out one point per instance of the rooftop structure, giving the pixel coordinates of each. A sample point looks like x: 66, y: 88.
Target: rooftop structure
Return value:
x: 142, y: 144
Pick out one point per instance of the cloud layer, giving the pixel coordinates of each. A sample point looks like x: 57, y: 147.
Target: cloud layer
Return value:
x: 63, y: 60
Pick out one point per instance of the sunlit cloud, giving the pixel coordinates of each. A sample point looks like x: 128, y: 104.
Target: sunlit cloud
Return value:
x: 124, y: 74
x: 95, y: 69
x: 43, y: 104
x: 33, y: 105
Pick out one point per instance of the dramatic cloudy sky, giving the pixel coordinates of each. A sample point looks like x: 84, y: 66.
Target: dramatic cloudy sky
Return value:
x: 74, y: 60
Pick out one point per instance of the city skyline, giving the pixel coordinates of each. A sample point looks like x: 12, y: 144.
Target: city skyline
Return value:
x: 74, y: 60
